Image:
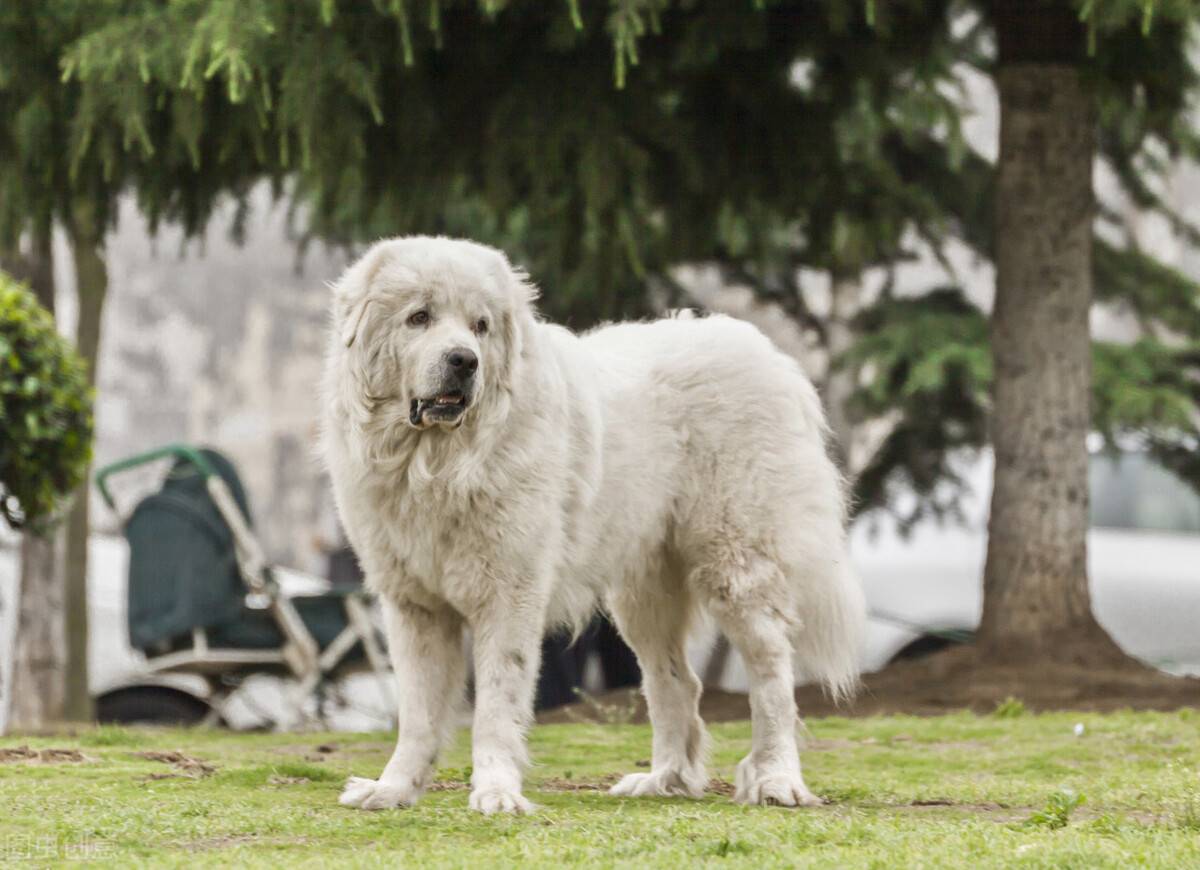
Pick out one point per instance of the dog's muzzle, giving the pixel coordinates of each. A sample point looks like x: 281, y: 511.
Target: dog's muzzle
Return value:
x: 446, y: 407
x: 451, y: 401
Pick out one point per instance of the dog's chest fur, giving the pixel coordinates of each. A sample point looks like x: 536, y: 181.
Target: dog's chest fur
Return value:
x: 566, y: 502
x: 499, y: 542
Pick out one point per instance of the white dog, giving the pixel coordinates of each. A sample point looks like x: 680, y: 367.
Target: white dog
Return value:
x: 500, y: 473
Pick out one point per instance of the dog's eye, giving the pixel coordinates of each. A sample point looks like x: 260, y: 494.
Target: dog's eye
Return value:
x: 481, y: 326
x: 419, y: 318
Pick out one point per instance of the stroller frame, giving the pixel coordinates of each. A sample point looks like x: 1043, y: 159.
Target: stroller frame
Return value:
x: 300, y: 655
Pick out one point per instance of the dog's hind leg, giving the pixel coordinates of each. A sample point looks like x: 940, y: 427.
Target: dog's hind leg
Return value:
x: 762, y: 634
x: 426, y: 647
x: 653, y: 617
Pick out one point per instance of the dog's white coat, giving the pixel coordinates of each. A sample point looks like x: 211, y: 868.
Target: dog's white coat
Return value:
x: 654, y: 468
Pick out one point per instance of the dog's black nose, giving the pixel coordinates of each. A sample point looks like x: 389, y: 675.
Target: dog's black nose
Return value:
x: 462, y: 362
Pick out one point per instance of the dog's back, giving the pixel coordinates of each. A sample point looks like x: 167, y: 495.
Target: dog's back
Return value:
x: 715, y: 442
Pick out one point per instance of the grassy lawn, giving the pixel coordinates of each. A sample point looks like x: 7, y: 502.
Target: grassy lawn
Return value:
x: 954, y: 791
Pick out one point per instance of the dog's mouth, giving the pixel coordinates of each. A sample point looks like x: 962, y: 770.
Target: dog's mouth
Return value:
x: 443, y: 408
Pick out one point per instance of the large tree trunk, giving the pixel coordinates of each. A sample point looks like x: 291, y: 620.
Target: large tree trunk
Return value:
x: 1036, y: 597
x: 91, y: 283
x: 38, y: 684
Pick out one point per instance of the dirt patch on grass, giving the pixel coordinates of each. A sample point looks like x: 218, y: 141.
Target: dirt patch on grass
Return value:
x: 1018, y: 814
x: 557, y: 784
x: 604, y: 783
x: 562, y: 784
x: 994, y: 811
x: 14, y: 754
x: 220, y: 842
x: 721, y: 787
x: 183, y: 765
x: 946, y: 681
x: 955, y: 679
x: 234, y: 840
x: 324, y: 751
x: 287, y: 780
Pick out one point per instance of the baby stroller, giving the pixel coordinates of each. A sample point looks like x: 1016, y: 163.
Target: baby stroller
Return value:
x: 203, y: 600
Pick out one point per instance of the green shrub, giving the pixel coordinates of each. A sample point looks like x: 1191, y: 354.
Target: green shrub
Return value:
x: 45, y: 411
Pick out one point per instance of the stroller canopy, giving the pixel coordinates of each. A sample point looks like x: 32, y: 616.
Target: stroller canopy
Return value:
x: 183, y: 571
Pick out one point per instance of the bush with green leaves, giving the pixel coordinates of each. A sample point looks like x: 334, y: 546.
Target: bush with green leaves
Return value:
x: 45, y: 411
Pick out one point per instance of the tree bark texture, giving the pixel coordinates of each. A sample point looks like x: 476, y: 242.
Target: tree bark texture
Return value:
x: 38, y: 677
x: 39, y: 666
x: 1036, y: 597
x: 91, y: 282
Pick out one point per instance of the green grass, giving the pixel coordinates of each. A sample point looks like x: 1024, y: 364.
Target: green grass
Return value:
x: 1011, y: 790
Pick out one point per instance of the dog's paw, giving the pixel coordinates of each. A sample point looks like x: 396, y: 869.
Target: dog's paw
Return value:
x: 499, y: 800
x: 373, y: 794
x: 664, y: 782
x: 780, y: 789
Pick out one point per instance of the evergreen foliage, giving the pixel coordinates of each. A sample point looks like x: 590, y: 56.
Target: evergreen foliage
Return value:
x: 606, y: 143
x: 925, y: 363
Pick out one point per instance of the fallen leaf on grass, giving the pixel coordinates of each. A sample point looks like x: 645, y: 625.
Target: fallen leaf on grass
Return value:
x: 287, y: 780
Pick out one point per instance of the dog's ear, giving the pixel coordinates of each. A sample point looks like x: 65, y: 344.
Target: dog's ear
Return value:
x: 352, y: 319
x: 514, y: 339
x: 352, y: 292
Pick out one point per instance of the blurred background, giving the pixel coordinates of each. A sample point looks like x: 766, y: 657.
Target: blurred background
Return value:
x: 179, y: 181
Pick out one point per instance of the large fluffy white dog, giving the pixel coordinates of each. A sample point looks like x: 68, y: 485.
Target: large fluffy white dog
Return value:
x: 498, y: 473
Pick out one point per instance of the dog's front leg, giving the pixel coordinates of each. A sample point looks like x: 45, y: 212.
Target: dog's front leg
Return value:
x: 427, y: 655
x: 507, y: 645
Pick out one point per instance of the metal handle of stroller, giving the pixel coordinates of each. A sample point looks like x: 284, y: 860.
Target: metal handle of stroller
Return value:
x: 179, y: 451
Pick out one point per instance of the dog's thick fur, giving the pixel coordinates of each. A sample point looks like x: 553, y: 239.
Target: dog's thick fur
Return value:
x: 658, y: 469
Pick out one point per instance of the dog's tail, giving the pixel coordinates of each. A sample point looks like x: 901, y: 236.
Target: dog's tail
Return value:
x: 830, y: 641
x: 834, y: 610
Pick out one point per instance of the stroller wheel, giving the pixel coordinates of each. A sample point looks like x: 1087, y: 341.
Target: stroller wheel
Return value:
x: 150, y: 705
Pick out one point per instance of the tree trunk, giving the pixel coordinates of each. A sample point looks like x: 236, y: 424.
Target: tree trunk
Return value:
x: 91, y: 283
x: 35, y: 268
x: 38, y: 685
x: 1036, y: 597
x: 39, y: 667
x: 845, y: 300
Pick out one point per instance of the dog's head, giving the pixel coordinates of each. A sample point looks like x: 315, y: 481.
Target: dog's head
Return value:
x: 430, y: 329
